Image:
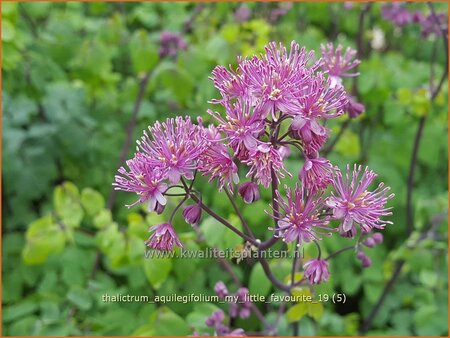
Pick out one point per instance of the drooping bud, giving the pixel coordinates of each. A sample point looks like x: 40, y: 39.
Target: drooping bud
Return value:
x: 249, y: 192
x: 378, y: 238
x: 364, y: 259
x: 192, y: 214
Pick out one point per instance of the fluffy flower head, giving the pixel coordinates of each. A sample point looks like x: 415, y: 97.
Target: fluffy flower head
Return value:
x: 353, y: 203
x: 144, y: 180
x: 163, y: 238
x: 173, y: 146
x: 300, y: 217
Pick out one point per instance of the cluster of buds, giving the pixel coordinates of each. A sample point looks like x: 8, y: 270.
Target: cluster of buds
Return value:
x: 241, y: 306
x: 273, y: 103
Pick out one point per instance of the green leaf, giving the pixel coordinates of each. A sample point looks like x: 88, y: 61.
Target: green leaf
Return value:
x: 13, y: 312
x: 168, y: 323
x: 259, y: 284
x: 157, y: 270
x: 213, y: 231
x: 103, y: 219
x: 80, y: 297
x: 44, y: 237
x: 92, y: 201
x: 144, y: 53
x: 66, y: 200
x: 295, y: 313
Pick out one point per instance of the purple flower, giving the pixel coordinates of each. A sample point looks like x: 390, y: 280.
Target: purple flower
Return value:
x: 336, y: 64
x: 192, y: 214
x: 300, y: 217
x: 163, y: 237
x: 241, y: 125
x: 216, y: 162
x: 284, y: 151
x: 174, y: 146
x: 316, y: 270
x: 229, y: 83
x: 316, y: 174
x: 216, y: 318
x: 170, y: 44
x: 249, y: 192
x: 432, y: 24
x: 348, y: 5
x: 143, y: 179
x: 354, y: 204
x: 312, y: 142
x: 243, y: 13
x: 319, y: 100
x: 262, y: 161
x: 365, y: 260
x: 242, y: 308
x: 275, y: 82
x: 396, y: 13
x: 348, y: 234
x: 220, y: 289
x: 354, y: 108
x: 280, y: 11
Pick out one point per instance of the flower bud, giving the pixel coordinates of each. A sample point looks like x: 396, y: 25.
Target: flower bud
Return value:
x: 249, y: 192
x: 364, y: 259
x: 220, y: 289
x: 159, y: 208
x: 378, y: 238
x: 370, y: 242
x: 192, y: 214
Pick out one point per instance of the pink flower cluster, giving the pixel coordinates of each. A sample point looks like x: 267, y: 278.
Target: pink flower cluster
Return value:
x: 272, y: 103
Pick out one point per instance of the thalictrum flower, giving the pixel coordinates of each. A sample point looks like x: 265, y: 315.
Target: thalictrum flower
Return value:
x: 316, y: 271
x: 316, y: 174
x: 163, y: 238
x: 300, y: 218
x: 216, y: 162
x: 174, y: 146
x: 275, y: 81
x: 262, y: 161
x: 353, y: 203
x: 170, y: 44
x: 336, y: 64
x: 241, y: 125
x: 143, y: 179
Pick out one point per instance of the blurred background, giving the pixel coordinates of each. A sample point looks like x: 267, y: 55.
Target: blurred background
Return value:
x: 79, y: 77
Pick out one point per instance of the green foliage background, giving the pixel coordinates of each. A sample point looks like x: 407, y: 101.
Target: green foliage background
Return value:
x: 71, y: 75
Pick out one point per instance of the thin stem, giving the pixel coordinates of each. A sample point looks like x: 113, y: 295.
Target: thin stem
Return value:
x: 129, y: 132
x: 294, y: 263
x: 218, y: 217
x: 276, y: 213
x: 336, y: 253
x: 318, y: 249
x: 247, y: 229
x: 177, y: 207
x: 344, y: 127
x: 409, y: 207
x: 227, y: 266
x: 272, y: 278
